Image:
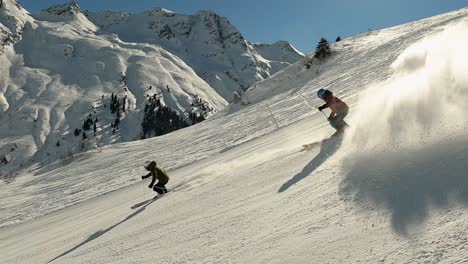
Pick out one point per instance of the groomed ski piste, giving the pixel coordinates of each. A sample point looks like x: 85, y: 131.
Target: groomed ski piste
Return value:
x: 394, y: 189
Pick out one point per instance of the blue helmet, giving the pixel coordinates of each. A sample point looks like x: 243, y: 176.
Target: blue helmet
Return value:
x: 321, y: 93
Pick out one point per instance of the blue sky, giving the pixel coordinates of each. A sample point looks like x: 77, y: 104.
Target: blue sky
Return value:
x: 301, y: 22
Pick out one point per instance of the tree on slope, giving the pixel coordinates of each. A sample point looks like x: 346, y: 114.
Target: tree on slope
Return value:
x: 160, y: 119
x: 323, y: 49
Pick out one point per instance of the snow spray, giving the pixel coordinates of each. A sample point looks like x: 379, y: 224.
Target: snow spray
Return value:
x: 423, y: 101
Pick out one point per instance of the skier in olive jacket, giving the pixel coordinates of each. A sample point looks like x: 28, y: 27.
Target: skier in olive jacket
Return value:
x: 158, y: 174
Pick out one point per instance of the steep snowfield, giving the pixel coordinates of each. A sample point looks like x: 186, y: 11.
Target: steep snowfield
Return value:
x: 207, y: 42
x: 59, y: 72
x: 393, y: 190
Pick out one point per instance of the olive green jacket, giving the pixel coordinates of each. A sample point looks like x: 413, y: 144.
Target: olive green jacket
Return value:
x: 157, y: 173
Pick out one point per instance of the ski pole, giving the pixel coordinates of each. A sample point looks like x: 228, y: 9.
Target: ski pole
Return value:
x: 315, y: 107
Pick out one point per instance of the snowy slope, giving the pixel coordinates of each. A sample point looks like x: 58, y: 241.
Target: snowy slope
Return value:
x: 60, y: 72
x: 207, y: 42
x: 393, y: 190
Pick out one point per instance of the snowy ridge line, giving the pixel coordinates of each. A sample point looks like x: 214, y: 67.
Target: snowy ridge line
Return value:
x: 207, y: 42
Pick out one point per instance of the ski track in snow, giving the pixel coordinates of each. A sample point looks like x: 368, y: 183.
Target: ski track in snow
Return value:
x: 246, y: 193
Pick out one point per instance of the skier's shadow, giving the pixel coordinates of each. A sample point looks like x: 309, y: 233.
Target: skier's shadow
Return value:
x: 328, y: 147
x: 102, y: 232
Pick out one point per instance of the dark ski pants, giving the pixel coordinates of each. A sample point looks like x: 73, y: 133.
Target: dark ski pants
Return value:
x: 160, y: 187
x: 337, y: 122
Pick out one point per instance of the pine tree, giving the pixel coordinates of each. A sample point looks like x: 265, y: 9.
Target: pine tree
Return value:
x: 200, y: 110
x: 87, y: 124
x: 116, y: 123
x: 322, y: 50
x: 117, y: 109
x: 338, y: 39
x: 159, y: 119
x: 111, y: 104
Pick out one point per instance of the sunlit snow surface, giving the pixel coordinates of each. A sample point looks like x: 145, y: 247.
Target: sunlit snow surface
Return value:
x: 394, y: 189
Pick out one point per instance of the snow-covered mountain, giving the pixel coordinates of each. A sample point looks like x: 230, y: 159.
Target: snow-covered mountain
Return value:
x: 279, y: 51
x: 244, y: 190
x: 57, y: 73
x: 207, y: 42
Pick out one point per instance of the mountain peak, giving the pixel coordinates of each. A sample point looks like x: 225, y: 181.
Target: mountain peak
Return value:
x: 279, y: 51
x: 68, y: 12
x: 163, y: 10
x: 281, y: 43
x: 5, y: 4
x: 159, y: 11
x: 205, y: 13
x: 68, y: 9
x: 12, y: 20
